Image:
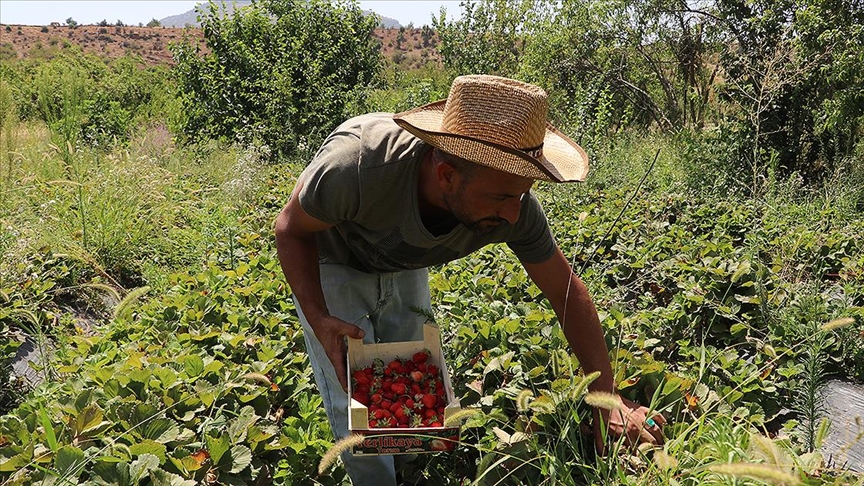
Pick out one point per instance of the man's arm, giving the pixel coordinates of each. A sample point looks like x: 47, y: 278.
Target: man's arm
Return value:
x: 578, y: 316
x: 297, y: 249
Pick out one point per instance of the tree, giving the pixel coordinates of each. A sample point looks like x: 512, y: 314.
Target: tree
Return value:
x: 489, y: 37
x: 269, y: 77
x: 103, y: 23
x: 71, y: 23
x: 794, y: 76
x: 154, y: 23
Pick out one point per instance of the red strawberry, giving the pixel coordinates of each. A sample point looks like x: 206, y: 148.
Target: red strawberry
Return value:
x: 398, y: 388
x: 361, y: 397
x: 429, y: 400
x: 420, y: 357
x: 381, y: 414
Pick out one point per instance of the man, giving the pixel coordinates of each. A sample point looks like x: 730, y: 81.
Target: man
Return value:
x: 387, y: 196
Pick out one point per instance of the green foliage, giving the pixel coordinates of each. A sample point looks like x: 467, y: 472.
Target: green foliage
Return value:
x: 773, y: 87
x: 488, y: 38
x: 271, y: 78
x: 86, y: 100
x: 792, y: 70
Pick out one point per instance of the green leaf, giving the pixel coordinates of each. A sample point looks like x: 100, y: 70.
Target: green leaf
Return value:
x: 241, y: 457
x: 161, y: 430
x: 193, y: 365
x: 217, y: 446
x: 238, y: 427
x: 112, y: 473
x: 160, y: 477
x: 499, y: 362
x: 142, y: 466
x: 67, y: 461
x: 149, y: 446
x: 17, y: 461
x: 88, y: 419
x: 50, y: 436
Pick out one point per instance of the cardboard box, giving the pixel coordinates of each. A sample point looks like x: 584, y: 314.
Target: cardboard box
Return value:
x: 400, y: 440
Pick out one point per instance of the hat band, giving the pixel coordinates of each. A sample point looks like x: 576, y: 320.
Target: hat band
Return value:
x: 535, y: 152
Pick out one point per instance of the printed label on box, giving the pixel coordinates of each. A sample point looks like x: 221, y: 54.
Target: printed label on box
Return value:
x: 417, y: 441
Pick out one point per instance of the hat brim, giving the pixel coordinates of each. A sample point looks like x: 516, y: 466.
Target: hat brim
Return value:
x: 562, y: 159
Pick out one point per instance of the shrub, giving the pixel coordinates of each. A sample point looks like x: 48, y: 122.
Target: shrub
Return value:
x: 270, y: 77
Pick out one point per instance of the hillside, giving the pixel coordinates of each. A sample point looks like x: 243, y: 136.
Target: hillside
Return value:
x: 151, y: 43
x: 190, y: 18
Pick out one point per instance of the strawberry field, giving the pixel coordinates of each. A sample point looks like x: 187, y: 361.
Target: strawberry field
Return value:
x: 148, y: 336
x: 715, y: 311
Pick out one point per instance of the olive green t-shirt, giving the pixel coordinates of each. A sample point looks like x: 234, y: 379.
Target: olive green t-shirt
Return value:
x: 364, y: 180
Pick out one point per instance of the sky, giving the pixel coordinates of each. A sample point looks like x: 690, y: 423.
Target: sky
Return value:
x: 133, y: 12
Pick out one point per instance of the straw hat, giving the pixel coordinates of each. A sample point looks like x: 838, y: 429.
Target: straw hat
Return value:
x: 500, y: 123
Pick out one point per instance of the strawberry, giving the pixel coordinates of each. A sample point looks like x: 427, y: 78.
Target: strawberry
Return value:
x: 429, y: 400
x: 361, y: 397
x: 402, y: 392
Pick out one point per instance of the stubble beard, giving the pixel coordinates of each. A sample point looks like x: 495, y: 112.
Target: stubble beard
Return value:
x: 457, y: 209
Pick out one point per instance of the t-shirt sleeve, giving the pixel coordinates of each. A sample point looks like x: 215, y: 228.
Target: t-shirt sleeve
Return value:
x: 533, y: 241
x: 331, y: 189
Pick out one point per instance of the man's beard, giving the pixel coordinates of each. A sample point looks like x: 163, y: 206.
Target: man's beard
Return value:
x: 480, y: 229
x: 477, y: 226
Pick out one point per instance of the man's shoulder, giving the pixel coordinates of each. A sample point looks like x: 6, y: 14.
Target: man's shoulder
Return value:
x: 359, y: 125
x: 375, y: 140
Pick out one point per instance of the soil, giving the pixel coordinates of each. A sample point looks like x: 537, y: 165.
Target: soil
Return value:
x: 151, y: 43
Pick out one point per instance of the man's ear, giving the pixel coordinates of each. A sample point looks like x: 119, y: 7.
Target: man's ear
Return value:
x: 446, y: 175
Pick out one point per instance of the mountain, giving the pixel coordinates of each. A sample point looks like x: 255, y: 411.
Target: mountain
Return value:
x: 190, y: 18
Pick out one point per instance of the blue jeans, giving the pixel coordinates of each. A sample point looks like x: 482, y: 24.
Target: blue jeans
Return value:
x: 385, y: 307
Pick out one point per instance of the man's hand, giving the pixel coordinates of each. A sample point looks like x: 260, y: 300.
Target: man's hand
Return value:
x: 331, y: 333
x: 630, y: 420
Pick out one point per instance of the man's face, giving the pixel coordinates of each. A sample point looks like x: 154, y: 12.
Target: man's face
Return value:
x: 487, y: 198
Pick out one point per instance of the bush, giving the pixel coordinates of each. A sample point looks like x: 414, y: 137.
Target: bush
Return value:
x: 85, y: 97
x: 272, y: 78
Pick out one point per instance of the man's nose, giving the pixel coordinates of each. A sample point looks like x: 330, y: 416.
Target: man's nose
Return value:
x: 509, y: 211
